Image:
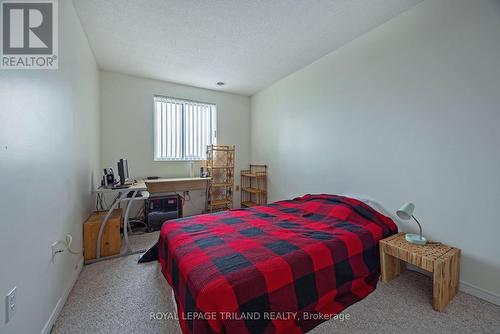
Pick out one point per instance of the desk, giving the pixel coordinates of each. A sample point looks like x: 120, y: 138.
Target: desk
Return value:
x: 172, y: 185
x: 177, y: 184
x: 147, y: 187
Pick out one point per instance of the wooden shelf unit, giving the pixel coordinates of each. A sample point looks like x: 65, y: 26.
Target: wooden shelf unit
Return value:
x: 220, y: 167
x: 254, y: 186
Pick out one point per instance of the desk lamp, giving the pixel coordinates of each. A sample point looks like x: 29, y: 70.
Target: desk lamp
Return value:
x: 406, y: 213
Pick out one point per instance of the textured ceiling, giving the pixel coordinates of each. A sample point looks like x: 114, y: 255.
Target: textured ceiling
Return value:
x: 248, y: 44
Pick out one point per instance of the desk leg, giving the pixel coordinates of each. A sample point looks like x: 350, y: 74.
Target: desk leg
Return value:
x: 103, y: 224
x: 125, y: 225
x: 390, y: 266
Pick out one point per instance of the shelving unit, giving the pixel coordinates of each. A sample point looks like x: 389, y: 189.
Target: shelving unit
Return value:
x: 254, y: 186
x: 220, y: 167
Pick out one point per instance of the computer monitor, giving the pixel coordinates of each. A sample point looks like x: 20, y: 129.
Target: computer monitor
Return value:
x: 123, y: 171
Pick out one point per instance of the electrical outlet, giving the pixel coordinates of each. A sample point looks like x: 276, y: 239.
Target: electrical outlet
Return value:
x: 57, y: 247
x: 11, y: 304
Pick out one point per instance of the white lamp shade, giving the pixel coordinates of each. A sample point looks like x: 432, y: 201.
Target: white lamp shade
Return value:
x: 406, y: 211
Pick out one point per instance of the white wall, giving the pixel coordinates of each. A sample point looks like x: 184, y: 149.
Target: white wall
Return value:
x: 49, y: 159
x: 408, y: 112
x: 127, y: 127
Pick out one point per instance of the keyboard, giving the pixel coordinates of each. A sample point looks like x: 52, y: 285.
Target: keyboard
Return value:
x: 121, y: 186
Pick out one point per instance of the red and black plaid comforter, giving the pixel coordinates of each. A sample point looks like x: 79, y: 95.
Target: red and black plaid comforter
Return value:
x: 311, y: 256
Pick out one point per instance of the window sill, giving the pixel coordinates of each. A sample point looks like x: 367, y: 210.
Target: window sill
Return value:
x: 178, y: 160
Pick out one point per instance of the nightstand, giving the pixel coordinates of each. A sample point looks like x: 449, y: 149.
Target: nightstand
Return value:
x: 441, y: 260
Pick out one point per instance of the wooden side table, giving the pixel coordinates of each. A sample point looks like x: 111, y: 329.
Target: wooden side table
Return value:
x: 441, y: 260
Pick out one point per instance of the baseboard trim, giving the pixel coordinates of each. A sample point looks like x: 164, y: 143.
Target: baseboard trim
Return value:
x: 60, y: 303
x: 479, y: 292
x: 466, y: 288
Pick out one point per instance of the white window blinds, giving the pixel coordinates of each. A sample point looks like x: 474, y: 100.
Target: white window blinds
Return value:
x: 183, y: 129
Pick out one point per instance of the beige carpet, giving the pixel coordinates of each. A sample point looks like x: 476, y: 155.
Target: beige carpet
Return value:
x: 117, y: 296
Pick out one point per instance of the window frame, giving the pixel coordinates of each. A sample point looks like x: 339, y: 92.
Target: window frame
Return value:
x: 213, y: 128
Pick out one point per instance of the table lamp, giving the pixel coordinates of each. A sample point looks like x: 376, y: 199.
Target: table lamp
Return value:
x: 406, y: 213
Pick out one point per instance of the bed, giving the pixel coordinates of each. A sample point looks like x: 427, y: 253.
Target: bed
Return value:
x: 280, y: 268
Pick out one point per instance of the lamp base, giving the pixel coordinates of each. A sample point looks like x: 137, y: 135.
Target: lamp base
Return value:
x: 415, y: 239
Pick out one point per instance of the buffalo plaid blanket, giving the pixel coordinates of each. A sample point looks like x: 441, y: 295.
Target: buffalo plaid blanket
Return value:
x: 279, y: 268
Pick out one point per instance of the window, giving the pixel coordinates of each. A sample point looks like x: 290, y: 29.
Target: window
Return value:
x: 183, y: 129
